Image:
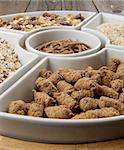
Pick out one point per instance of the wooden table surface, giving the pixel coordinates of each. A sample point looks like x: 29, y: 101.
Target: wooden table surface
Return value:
x: 14, y: 6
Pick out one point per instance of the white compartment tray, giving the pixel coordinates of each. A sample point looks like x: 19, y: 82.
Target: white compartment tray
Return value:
x: 58, y: 130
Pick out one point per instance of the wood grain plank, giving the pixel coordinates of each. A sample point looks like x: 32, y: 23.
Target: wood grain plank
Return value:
x: 110, y: 6
x: 108, y: 145
x: 54, y: 4
x: 44, y: 5
x: 36, y: 5
x: 78, y: 5
x: 14, y: 144
x: 61, y: 5
x: 13, y: 6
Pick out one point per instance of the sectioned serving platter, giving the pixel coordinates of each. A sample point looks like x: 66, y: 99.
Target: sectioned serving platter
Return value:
x: 21, y: 83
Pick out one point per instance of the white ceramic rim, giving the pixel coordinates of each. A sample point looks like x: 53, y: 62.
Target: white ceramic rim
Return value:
x: 29, y: 48
x: 59, y: 121
x: 100, y: 34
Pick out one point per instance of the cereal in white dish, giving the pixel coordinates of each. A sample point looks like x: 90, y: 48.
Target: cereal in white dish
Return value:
x: 28, y: 23
x: 114, y: 31
x: 9, y: 61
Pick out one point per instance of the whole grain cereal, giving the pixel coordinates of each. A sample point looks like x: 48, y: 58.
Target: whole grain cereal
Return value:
x: 114, y: 31
x: 9, y: 61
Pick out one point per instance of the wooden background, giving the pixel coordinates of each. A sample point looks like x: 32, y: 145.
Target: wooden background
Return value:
x: 14, y: 6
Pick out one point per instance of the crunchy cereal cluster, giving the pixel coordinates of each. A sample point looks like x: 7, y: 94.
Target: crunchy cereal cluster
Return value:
x: 28, y: 23
x: 76, y: 94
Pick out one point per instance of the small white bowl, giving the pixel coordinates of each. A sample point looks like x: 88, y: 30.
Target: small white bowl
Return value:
x: 87, y: 14
x: 58, y: 130
x: 28, y: 60
x: 60, y: 34
x: 99, y: 19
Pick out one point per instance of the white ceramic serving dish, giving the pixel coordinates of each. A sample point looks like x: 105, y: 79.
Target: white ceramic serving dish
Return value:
x: 28, y: 60
x: 88, y: 15
x: 60, y: 34
x: 58, y: 130
x: 98, y: 20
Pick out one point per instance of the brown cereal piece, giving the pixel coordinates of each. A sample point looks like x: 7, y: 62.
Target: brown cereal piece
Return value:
x: 45, y: 73
x: 78, y: 95
x: 27, y: 105
x: 17, y: 107
x: 71, y: 76
x: 43, y: 98
x: 110, y: 102
x: 103, y: 70
x: 79, y: 16
x: 120, y: 68
x: 107, y: 75
x: 114, y: 64
x: 85, y: 83
x: 89, y: 72
x: 58, y: 112
x: 93, y: 74
x: 108, y: 92
x: 2, y: 22
x: 97, y: 113
x: 65, y: 99
x: 120, y: 76
x: 121, y: 97
x: 88, y: 103
x: 36, y: 110
x: 63, y: 86
x: 97, y: 78
x: 45, y: 85
x: 117, y: 85
x: 55, y: 78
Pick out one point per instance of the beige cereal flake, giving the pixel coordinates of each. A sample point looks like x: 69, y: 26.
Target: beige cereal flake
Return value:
x: 65, y: 99
x: 59, y: 112
x: 45, y: 85
x: 17, y: 107
x: 97, y: 113
x: 88, y: 103
x: 63, y: 86
x: 110, y: 102
x: 36, y: 110
x: 43, y: 98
